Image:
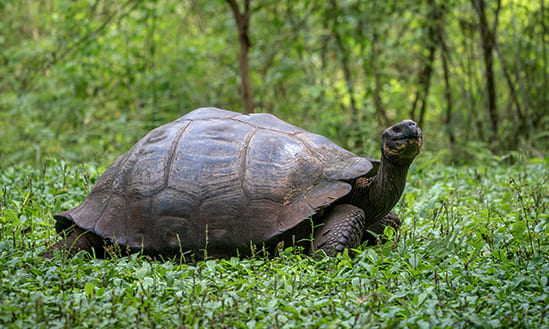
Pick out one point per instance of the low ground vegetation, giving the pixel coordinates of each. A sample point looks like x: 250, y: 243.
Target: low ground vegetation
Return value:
x: 473, y: 253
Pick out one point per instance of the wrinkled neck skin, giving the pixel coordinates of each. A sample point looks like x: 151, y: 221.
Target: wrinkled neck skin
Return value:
x: 379, y: 194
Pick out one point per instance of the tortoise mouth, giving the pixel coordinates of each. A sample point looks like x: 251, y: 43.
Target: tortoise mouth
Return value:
x: 396, y: 145
x: 409, y: 138
x: 404, y: 145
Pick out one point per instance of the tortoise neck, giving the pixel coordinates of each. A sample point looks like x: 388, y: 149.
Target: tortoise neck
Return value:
x: 379, y: 194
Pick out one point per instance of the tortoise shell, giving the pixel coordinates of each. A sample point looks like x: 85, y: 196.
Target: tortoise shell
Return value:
x: 215, y: 178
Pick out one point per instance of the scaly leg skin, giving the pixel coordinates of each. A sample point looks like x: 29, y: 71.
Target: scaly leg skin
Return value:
x: 374, y: 232
x: 75, y: 240
x: 343, y: 229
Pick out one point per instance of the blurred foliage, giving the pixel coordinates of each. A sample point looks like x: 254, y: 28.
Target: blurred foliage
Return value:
x: 83, y: 80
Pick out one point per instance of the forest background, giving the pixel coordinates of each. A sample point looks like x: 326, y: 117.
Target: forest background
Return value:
x: 84, y: 80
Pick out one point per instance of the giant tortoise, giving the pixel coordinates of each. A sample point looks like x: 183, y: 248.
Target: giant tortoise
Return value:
x: 220, y: 183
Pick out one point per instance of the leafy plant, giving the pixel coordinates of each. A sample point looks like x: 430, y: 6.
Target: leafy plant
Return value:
x: 473, y: 252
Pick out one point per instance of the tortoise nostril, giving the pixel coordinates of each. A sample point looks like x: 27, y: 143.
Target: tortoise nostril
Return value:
x: 411, y: 124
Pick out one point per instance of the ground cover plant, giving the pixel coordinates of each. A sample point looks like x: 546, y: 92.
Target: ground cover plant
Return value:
x: 473, y: 253
x: 81, y: 81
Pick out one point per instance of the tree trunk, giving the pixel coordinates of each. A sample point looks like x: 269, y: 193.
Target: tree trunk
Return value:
x: 474, y: 120
x: 424, y: 77
x: 426, y: 82
x: 243, y: 23
x: 522, y: 124
x: 364, y: 24
x: 448, y: 95
x: 488, y: 41
x: 152, y: 65
x: 544, y: 100
x: 347, y: 74
x: 378, y: 102
x: 445, y: 55
x: 344, y: 61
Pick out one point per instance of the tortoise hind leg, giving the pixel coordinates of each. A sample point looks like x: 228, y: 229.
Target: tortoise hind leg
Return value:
x: 374, y: 232
x: 343, y: 229
x: 77, y: 239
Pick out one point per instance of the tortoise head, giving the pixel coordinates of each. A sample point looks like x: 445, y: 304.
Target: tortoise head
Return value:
x: 402, y: 142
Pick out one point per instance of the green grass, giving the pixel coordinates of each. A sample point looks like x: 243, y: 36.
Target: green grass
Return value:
x: 473, y: 253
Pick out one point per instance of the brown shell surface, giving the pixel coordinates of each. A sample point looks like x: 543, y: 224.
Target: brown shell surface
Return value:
x: 216, y: 176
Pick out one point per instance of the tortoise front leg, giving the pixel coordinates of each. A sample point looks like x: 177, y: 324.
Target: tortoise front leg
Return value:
x: 374, y: 232
x: 342, y: 228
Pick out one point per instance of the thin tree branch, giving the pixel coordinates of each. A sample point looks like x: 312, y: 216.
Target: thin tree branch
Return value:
x: 88, y: 36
